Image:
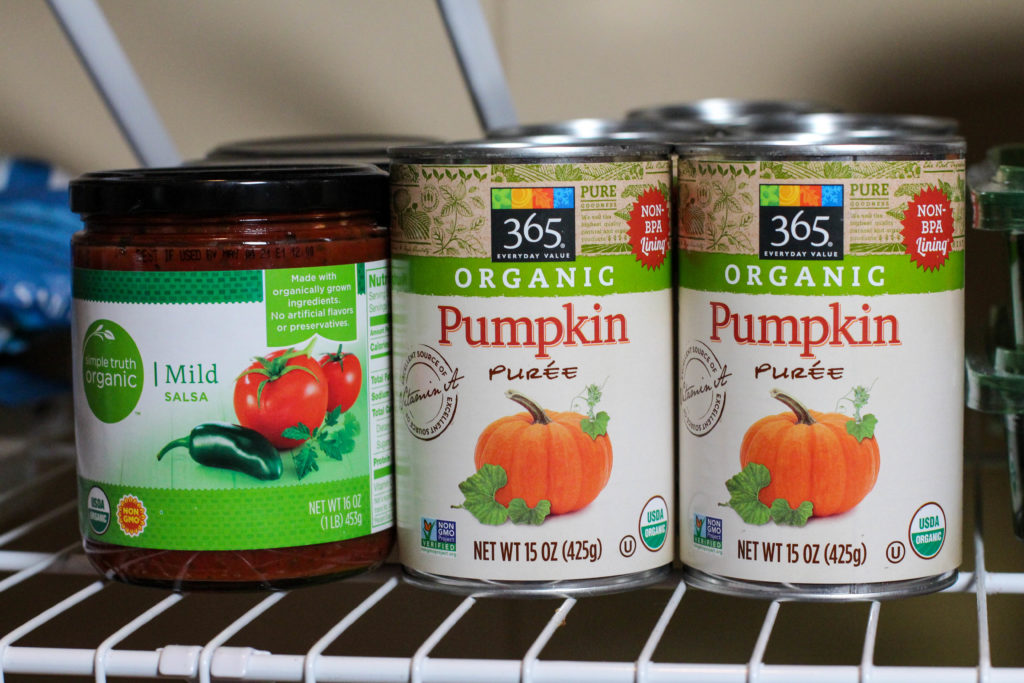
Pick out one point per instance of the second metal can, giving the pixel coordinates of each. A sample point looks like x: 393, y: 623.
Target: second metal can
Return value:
x: 821, y: 365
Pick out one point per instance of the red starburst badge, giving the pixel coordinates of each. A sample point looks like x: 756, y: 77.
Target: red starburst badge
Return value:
x: 131, y: 515
x: 648, y: 228
x: 928, y: 228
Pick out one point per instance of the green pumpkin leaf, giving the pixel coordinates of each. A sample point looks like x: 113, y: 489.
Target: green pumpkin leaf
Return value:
x: 479, y: 492
x: 520, y: 513
x: 865, y: 429
x: 783, y: 514
x: 598, y: 426
x: 743, y: 489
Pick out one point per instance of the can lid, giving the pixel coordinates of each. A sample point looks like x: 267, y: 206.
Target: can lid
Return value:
x: 997, y: 189
x: 852, y: 125
x: 727, y: 111
x: 258, y: 189
x: 611, y: 129
x: 532, y: 149
x: 368, y: 146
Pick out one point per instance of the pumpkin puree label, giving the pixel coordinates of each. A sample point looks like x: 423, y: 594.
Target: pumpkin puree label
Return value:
x: 820, y: 369
x: 533, y: 338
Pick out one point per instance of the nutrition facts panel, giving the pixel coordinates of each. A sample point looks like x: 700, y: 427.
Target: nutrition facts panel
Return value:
x: 379, y: 391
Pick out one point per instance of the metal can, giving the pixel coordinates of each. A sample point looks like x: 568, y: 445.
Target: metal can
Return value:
x: 533, y: 304
x: 727, y: 111
x: 232, y: 381
x: 821, y: 365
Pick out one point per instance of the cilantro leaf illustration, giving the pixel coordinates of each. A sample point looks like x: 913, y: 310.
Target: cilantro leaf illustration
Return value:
x: 305, y: 461
x: 783, y: 514
x: 520, y: 513
x: 333, y: 439
x: 299, y: 431
x: 743, y: 489
x: 479, y: 492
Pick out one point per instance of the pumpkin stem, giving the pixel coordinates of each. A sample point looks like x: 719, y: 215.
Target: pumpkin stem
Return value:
x: 539, y: 416
x: 803, y: 416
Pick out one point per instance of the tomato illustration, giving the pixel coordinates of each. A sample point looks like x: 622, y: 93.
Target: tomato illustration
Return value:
x: 279, y: 391
x: 344, y: 379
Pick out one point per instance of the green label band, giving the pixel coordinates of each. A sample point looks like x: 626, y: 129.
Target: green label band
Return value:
x: 481, y: 277
x: 863, y: 275
x: 240, y: 519
x: 168, y: 287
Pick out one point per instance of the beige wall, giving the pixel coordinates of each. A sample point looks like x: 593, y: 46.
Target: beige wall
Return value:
x: 226, y: 69
x: 220, y: 70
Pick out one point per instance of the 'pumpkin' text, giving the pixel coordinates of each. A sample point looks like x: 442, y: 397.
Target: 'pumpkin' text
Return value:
x: 807, y: 331
x: 542, y: 332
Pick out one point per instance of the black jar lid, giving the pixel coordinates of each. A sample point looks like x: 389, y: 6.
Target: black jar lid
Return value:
x: 232, y: 190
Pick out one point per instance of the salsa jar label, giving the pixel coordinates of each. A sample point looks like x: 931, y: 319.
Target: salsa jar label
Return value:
x: 820, y: 369
x: 233, y: 410
x: 533, y: 394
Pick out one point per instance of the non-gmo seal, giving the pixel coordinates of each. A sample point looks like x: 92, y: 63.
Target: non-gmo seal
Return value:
x: 702, y: 388
x: 429, y: 393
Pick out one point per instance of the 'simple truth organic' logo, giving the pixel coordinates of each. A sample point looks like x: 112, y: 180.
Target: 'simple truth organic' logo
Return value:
x: 112, y: 374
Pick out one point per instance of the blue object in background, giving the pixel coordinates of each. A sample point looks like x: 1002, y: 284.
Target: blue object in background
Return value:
x: 35, y: 275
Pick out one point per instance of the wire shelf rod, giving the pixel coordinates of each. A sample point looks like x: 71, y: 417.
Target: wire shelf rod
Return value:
x: 419, y: 659
x: 99, y: 661
x: 43, y: 617
x: 42, y: 563
x: 205, y: 662
x: 533, y: 653
x: 23, y: 529
x: 643, y: 662
x: 20, y: 491
x: 867, y: 660
x: 756, y: 662
x: 313, y: 655
x: 115, y: 79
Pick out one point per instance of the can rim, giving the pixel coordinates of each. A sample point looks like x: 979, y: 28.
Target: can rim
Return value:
x: 538, y: 149
x: 818, y: 146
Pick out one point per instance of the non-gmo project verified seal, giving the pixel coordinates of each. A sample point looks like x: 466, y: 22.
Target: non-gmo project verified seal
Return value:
x: 437, y: 535
x: 707, y: 532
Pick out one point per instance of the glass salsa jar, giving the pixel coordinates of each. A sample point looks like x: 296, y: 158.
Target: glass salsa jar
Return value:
x: 230, y: 347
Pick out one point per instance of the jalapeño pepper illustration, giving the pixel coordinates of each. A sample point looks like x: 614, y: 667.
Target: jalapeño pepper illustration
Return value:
x: 231, y: 447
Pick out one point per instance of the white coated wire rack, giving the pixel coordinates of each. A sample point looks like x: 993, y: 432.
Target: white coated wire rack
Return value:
x: 58, y: 618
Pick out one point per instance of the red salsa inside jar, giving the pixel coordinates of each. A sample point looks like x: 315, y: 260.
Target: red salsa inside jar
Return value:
x: 230, y: 347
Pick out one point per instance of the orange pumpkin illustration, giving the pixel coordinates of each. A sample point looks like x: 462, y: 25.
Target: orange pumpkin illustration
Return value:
x: 811, y: 457
x: 547, y: 456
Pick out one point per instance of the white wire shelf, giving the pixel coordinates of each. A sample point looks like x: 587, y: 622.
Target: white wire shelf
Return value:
x: 58, y: 618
